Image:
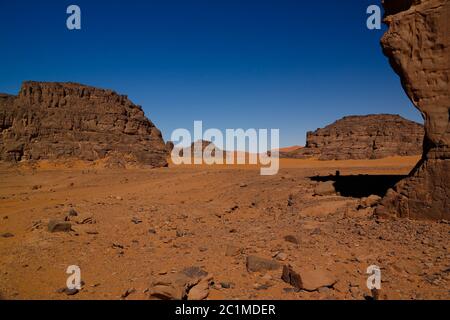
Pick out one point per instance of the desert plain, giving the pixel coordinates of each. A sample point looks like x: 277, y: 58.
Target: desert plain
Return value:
x: 131, y: 227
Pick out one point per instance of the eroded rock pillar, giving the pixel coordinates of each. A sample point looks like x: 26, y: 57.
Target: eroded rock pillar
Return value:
x: 417, y: 45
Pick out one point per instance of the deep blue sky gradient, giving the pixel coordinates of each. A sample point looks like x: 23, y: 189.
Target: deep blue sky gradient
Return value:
x: 292, y: 65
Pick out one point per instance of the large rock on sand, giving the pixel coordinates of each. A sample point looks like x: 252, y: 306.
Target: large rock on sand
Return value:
x: 49, y: 121
x: 363, y: 137
x: 418, y: 46
x: 308, y: 279
x: 190, y: 284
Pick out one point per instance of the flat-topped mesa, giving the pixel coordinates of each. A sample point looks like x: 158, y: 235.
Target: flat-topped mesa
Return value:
x: 55, y: 94
x: 49, y: 121
x: 363, y: 137
x: 418, y: 47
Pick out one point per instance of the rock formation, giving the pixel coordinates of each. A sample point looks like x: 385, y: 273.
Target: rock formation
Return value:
x: 363, y: 137
x: 418, y: 47
x: 49, y: 121
x: 203, y: 145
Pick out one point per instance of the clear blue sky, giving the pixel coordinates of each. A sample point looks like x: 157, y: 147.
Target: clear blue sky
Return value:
x: 292, y: 65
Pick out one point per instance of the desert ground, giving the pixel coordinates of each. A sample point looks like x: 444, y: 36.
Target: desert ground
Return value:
x: 136, y: 225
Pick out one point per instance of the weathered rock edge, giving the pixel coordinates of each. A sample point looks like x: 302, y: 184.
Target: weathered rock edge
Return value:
x: 52, y: 121
x: 417, y: 45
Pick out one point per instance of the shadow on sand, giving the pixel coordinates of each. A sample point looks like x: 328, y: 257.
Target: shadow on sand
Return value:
x: 359, y: 186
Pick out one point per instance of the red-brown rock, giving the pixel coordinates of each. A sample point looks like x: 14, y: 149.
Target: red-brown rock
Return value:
x: 418, y: 46
x: 363, y: 137
x: 49, y: 121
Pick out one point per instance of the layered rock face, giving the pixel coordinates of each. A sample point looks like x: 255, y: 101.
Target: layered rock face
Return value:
x: 417, y: 44
x: 363, y: 137
x: 49, y: 121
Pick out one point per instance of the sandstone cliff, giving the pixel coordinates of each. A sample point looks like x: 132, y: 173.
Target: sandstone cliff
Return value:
x: 363, y: 137
x: 49, y: 121
x: 418, y: 47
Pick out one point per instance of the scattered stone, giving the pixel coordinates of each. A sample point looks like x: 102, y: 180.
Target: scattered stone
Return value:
x: 281, y: 256
x: 227, y: 285
x: 232, y: 209
x: 372, y: 201
x: 342, y: 286
x: 36, y: 187
x: 290, y: 201
x: 291, y: 277
x: 36, y: 225
x: 199, y: 291
x: 369, y: 202
x: 356, y: 292
x: 362, y: 233
x: 136, y: 220
x: 71, y: 292
x: 67, y: 291
x: 191, y: 283
x: 307, y: 279
x: 375, y: 294
x: 59, y: 226
x: 243, y: 185
x: 267, y: 277
x: 257, y: 264
x: 324, y: 290
x: 315, y: 279
x: 232, y: 251
x: 166, y: 291
x: 128, y: 292
x: 181, y: 233
x: 88, y: 220
x: 152, y: 231
x: 260, y: 287
x: 72, y: 213
x: 7, y: 235
x: 292, y: 239
x: 325, y: 189
x: 194, y: 272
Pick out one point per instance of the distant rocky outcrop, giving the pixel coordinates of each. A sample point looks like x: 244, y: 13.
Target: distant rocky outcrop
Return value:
x: 418, y: 47
x: 50, y: 121
x: 363, y: 137
x: 198, y: 153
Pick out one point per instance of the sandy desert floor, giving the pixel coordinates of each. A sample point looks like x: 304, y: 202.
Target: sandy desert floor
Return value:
x: 135, y: 225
